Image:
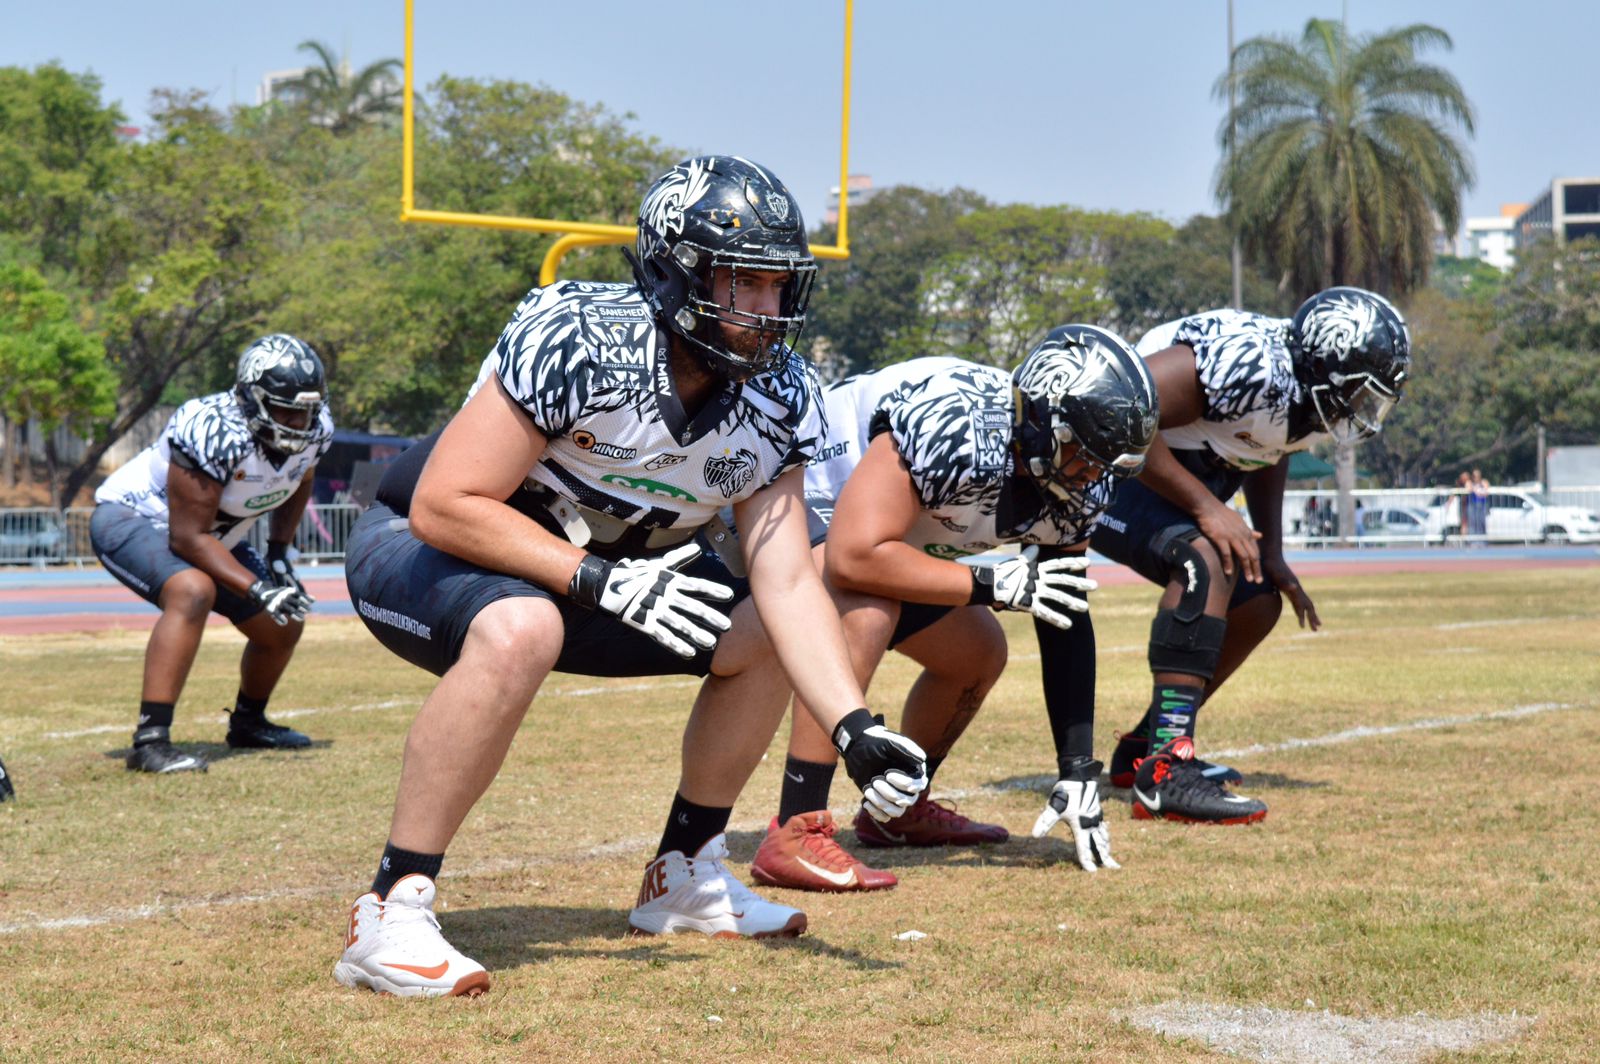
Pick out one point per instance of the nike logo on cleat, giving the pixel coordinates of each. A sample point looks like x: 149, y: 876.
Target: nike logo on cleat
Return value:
x: 841, y: 879
x: 1153, y: 803
x: 435, y: 972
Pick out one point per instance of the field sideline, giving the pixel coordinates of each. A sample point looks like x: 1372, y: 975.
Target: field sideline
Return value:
x: 1429, y: 850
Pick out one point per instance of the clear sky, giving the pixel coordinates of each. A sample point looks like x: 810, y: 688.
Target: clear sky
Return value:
x: 1095, y: 104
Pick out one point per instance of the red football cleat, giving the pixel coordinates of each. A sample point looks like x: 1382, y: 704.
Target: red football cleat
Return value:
x: 927, y: 823
x: 802, y: 855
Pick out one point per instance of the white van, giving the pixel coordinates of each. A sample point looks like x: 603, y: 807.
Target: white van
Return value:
x: 1515, y: 514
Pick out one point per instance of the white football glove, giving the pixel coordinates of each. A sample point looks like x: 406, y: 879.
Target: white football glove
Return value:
x: 1076, y: 801
x: 282, y: 604
x: 651, y: 595
x: 890, y: 769
x: 1027, y: 584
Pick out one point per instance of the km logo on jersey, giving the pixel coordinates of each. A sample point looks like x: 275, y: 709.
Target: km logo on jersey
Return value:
x: 730, y: 473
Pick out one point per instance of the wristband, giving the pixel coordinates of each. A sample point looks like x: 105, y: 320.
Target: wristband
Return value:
x: 588, y: 581
x: 982, y: 586
x: 854, y: 723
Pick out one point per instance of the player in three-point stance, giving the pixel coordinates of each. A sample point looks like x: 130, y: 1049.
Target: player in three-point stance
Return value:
x: 171, y: 525
x: 1240, y: 392
x: 550, y: 530
x: 926, y: 462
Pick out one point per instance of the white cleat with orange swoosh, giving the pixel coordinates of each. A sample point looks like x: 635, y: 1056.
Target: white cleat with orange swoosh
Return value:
x: 394, y: 946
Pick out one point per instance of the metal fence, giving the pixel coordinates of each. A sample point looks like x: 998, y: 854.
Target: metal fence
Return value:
x: 40, y: 535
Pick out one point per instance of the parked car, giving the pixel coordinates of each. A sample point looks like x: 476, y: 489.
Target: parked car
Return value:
x: 1515, y: 514
x: 30, y: 534
x: 1394, y: 522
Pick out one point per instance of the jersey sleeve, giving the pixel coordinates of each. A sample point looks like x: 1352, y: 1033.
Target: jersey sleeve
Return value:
x: 932, y: 430
x: 804, y: 396
x: 202, y: 438
x: 542, y: 361
x: 323, y: 440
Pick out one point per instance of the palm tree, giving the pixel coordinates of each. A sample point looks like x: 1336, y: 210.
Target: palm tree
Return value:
x: 1345, y: 159
x: 343, y: 101
x: 1341, y: 162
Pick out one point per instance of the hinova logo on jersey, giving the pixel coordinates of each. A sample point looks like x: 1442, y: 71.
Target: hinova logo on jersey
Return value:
x: 261, y: 502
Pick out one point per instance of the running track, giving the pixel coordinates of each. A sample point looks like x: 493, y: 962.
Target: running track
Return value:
x: 34, y: 601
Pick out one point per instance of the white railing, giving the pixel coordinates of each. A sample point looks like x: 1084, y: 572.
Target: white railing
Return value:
x: 41, y: 535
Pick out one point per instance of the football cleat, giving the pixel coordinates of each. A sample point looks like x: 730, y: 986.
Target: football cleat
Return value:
x: 927, y: 823
x: 7, y: 790
x: 153, y: 752
x: 394, y: 946
x: 1169, y: 785
x: 699, y: 894
x: 261, y: 734
x: 1132, y: 747
x: 802, y: 855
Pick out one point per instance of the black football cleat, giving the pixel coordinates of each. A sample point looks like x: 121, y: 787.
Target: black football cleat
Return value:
x: 153, y: 752
x: 1170, y: 785
x: 262, y: 734
x: 7, y: 791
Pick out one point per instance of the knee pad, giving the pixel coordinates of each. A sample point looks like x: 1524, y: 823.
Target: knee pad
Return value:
x: 1192, y: 646
x: 1175, y: 547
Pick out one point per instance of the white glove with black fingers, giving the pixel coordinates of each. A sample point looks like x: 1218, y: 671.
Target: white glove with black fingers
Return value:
x: 1075, y: 800
x: 890, y: 769
x: 651, y: 595
x: 282, y: 572
x: 1025, y: 583
x: 282, y: 604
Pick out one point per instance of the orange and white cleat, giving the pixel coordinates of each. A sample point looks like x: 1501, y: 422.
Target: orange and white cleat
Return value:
x: 394, y: 946
x: 802, y: 855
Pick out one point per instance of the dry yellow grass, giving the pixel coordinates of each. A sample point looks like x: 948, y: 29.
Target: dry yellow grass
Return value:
x: 1443, y: 869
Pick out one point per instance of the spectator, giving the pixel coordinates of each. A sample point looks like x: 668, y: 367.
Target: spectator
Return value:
x: 1465, y: 484
x: 1480, y: 504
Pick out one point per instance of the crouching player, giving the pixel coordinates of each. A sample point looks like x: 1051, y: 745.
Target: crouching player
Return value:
x: 550, y: 531
x: 925, y: 462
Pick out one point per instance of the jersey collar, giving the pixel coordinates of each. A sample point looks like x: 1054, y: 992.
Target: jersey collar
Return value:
x: 686, y: 430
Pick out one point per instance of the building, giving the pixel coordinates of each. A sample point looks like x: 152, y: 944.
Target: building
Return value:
x: 1492, y: 239
x: 860, y: 190
x: 278, y: 85
x: 1568, y: 210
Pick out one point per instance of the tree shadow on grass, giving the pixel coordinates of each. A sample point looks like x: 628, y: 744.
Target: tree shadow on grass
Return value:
x: 509, y: 936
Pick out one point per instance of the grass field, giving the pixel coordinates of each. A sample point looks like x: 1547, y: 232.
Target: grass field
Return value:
x: 1445, y: 868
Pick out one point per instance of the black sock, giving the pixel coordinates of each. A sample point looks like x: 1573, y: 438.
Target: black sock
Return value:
x: 805, y: 787
x: 247, y: 710
x: 152, y: 715
x: 1172, y: 711
x: 691, y: 826
x: 397, y: 864
x: 933, y: 766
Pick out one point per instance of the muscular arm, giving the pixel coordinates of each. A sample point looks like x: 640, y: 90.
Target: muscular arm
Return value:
x: 459, y: 506
x: 1263, y: 493
x: 1182, y: 403
x: 286, y: 518
x: 192, y: 501
x: 799, y: 616
x: 867, y: 551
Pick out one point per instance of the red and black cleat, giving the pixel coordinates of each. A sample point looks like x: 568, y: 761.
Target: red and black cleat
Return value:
x: 1171, y: 785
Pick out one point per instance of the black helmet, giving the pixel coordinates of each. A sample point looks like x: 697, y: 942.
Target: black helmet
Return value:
x: 1083, y: 385
x: 722, y: 211
x: 280, y: 373
x: 1351, y: 354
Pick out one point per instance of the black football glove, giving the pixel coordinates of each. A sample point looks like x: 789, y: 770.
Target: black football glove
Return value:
x: 890, y: 769
x: 282, y: 604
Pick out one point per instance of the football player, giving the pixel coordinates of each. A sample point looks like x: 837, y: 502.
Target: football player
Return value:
x: 552, y: 529
x: 171, y: 525
x: 1240, y: 392
x: 927, y: 462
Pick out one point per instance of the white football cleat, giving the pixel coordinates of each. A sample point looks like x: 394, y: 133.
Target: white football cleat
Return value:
x: 699, y: 894
x: 394, y: 947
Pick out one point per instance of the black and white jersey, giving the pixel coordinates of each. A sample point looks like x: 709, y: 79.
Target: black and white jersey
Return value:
x: 588, y: 365
x: 952, y: 422
x: 1248, y: 383
x: 210, y: 434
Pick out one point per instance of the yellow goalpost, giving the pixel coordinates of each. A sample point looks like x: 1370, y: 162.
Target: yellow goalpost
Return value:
x: 577, y: 234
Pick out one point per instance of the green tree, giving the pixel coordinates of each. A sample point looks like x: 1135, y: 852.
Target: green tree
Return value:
x: 1344, y: 153
x: 1182, y: 272
x: 51, y: 369
x: 179, y: 258
x: 58, y: 159
x: 340, y: 100
x: 864, y: 304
